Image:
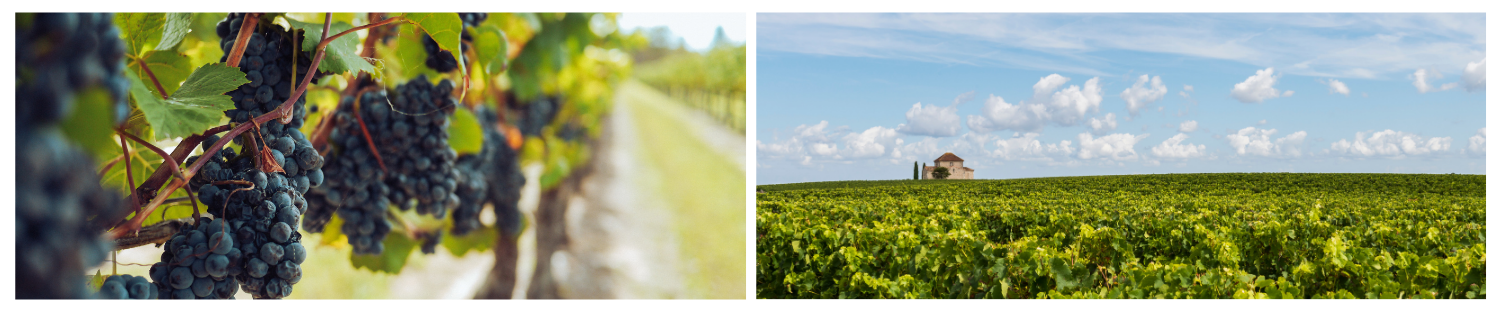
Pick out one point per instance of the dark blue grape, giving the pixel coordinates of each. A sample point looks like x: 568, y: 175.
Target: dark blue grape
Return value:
x: 217, y: 265
x: 113, y: 288
x: 221, y: 242
x: 281, y: 233
x: 270, y: 253
x: 140, y: 288
x: 203, y: 287
x: 285, y: 144
x: 181, y: 278
x: 256, y: 80
x: 257, y: 268
x: 200, y: 267
x: 264, y: 95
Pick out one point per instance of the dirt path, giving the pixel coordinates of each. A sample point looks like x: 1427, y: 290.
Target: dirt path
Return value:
x: 638, y: 225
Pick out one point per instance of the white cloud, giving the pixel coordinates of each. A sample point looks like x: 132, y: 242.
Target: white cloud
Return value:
x: 805, y: 139
x: 1140, y: 95
x: 1188, y: 126
x: 1476, y: 144
x: 1336, y: 86
x: 1065, y: 107
x: 1068, y: 106
x: 1118, y: 147
x: 927, y: 148
x: 1174, y: 149
x: 1258, y: 87
x: 999, y: 115
x: 1474, y: 76
x: 817, y: 141
x: 1048, y: 84
x: 1100, y: 127
x: 931, y: 120
x: 825, y: 149
x: 1253, y: 141
x: 1027, y: 148
x: 1421, y: 77
x: 1262, y: 122
x: 1390, y: 143
x: 814, y: 132
x: 871, y: 143
x: 1188, y: 88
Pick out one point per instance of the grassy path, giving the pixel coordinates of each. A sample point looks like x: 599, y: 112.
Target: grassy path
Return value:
x: 703, y: 184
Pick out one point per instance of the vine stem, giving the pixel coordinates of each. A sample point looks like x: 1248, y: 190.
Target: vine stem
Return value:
x: 361, y: 121
x: 285, y: 109
x: 129, y: 179
x: 152, y: 75
x: 247, y: 27
x: 148, y: 189
x: 372, y: 37
x: 167, y: 157
x: 320, y: 134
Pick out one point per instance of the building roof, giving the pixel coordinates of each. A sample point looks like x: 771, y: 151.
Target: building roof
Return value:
x: 948, y: 157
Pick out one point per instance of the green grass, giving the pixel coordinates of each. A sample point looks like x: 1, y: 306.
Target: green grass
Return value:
x: 705, y: 190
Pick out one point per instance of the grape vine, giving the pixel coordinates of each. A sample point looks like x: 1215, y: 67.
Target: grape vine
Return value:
x: 236, y: 193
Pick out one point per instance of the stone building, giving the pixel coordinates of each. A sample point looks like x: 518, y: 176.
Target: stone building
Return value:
x: 955, y: 165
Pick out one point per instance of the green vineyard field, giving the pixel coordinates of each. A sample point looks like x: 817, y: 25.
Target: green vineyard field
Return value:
x: 1216, y: 236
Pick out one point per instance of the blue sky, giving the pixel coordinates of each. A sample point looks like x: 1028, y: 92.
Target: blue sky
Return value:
x: 862, y: 96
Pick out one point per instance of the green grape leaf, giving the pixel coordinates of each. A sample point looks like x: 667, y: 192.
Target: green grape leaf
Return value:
x: 341, y: 55
x: 138, y: 125
x: 464, y: 133
x: 170, y: 68
x: 475, y: 241
x: 96, y: 281
x: 91, y: 122
x: 1062, y: 273
x: 443, y: 27
x: 397, y: 249
x: 490, y: 45
x: 205, y: 26
x: 321, y: 99
x: 140, y: 30
x: 176, y: 210
x: 142, y: 164
x: 198, y: 105
x: 173, y: 30
x: 410, y: 58
x: 333, y: 233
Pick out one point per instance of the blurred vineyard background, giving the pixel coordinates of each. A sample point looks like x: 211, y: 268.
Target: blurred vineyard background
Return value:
x: 632, y: 148
x: 711, y: 81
